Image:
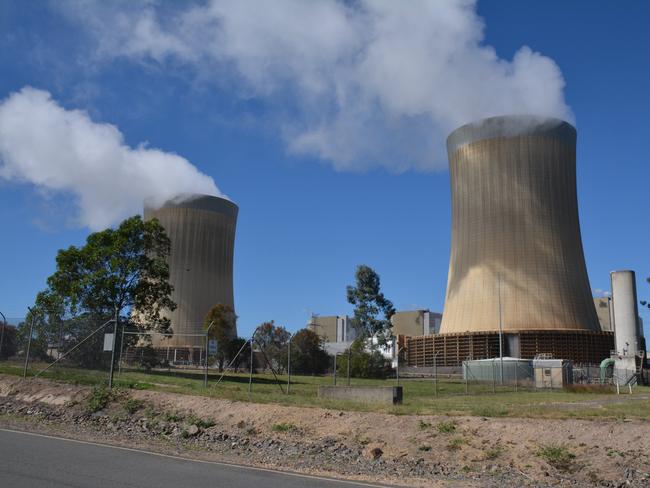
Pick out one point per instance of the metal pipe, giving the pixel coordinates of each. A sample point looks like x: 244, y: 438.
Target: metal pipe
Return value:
x: 335, y: 369
x: 289, y: 365
x: 250, y: 377
x: 500, y: 330
x: 349, y: 360
x: 119, y: 360
x: 207, y: 334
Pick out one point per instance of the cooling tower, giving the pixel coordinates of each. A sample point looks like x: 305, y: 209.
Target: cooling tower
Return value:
x: 516, y: 252
x: 202, y: 233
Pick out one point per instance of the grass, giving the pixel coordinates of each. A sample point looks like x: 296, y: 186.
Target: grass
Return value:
x: 283, y: 427
x: 456, y: 443
x: 446, y: 427
x: 131, y: 405
x: 419, y: 398
x: 557, y: 456
x: 199, y: 422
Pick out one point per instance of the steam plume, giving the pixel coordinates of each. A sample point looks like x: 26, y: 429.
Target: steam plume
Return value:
x: 64, y: 151
x: 366, y: 83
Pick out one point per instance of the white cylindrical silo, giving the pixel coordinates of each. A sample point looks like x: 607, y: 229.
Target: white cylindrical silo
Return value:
x: 625, y: 312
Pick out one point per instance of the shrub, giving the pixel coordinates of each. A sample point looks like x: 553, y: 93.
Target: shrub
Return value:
x: 98, y: 399
x: 199, y: 422
x: 131, y: 405
x: 557, y: 456
x: 446, y: 427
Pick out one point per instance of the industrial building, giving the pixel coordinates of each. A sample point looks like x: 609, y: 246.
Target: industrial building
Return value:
x: 416, y: 322
x: 517, y: 269
x: 201, y: 229
x: 335, y: 330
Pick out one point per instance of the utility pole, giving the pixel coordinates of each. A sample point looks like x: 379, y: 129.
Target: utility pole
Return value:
x: 110, y: 375
x: 349, y: 358
x: 29, y: 341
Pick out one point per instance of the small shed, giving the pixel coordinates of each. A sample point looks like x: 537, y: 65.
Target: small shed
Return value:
x: 552, y: 373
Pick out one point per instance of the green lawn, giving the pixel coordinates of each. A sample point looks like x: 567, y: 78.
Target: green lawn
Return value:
x: 419, y: 397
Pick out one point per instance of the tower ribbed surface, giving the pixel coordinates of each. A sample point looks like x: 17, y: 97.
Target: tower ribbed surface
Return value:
x: 516, y: 250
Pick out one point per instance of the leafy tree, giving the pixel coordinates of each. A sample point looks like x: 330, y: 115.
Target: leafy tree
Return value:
x: 235, y: 345
x: 363, y: 363
x: 222, y: 322
x: 9, y: 341
x: 307, y: 353
x: 273, y: 340
x: 372, y: 311
x: 122, y: 270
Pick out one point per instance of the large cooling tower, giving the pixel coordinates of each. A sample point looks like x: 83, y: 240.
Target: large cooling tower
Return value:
x: 516, y: 251
x: 202, y: 233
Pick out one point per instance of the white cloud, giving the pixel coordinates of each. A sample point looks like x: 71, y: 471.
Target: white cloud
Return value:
x: 367, y: 83
x: 64, y: 151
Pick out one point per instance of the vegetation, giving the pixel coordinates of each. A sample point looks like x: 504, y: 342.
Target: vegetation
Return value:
x: 283, y: 427
x: 557, y: 456
x: 9, y: 345
x: 307, y: 353
x: 115, y: 271
x: 199, y: 422
x: 446, y: 427
x: 98, y: 399
x: 132, y: 405
x: 372, y: 310
x: 418, y: 394
x: 363, y: 363
x: 221, y: 323
x: 273, y: 339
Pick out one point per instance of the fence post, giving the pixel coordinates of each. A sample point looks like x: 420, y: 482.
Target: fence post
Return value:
x: 466, y: 368
x: 494, y: 379
x: 29, y: 342
x: 334, y: 369
x: 435, y: 374
x: 115, y: 324
x: 349, y: 358
x: 516, y: 374
x: 289, y: 366
x: 250, y: 376
x: 119, y: 360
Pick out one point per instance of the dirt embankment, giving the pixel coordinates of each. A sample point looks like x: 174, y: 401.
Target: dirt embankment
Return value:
x: 403, y: 450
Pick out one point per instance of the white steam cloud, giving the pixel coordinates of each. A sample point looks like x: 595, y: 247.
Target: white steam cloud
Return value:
x: 360, y: 84
x: 64, y: 151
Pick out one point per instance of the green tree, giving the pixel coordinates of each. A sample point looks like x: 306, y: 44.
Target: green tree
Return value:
x: 122, y: 270
x: 363, y: 363
x: 372, y: 311
x: 273, y: 340
x: 222, y: 322
x: 307, y: 353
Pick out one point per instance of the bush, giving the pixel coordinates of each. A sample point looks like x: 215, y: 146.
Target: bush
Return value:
x: 131, y: 405
x: 363, y: 363
x: 557, y: 456
x: 98, y: 399
x: 283, y: 427
x: 447, y: 427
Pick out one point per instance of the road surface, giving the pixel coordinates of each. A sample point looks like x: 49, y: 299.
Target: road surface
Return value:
x: 38, y: 461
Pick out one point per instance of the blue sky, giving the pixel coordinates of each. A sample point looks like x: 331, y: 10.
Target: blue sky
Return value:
x: 310, y: 213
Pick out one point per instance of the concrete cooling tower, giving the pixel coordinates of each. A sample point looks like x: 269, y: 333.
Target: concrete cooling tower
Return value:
x: 202, y: 233
x: 516, y: 251
x: 517, y: 263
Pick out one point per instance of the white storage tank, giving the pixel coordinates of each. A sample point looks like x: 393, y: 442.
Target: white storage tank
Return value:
x: 625, y: 312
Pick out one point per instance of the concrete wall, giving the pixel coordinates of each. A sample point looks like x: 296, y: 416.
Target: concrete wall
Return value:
x: 202, y: 233
x: 415, y: 322
x: 516, y: 251
x: 389, y: 395
x: 603, y: 310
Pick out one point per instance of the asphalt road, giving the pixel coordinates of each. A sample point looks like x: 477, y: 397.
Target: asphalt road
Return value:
x: 36, y: 461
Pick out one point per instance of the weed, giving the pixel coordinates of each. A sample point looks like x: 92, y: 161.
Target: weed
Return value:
x: 241, y: 424
x: 455, y: 444
x: 557, y: 456
x: 492, y: 453
x: 489, y: 411
x: 424, y: 425
x: 283, y: 427
x: 424, y: 448
x: 172, y: 416
x: 131, y: 405
x: 98, y: 399
x: 446, y: 427
x: 199, y: 422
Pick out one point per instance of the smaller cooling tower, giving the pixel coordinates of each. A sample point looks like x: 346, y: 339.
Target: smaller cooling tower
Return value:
x: 202, y: 233
x: 625, y: 312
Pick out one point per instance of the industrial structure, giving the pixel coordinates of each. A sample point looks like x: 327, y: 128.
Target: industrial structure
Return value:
x: 517, y: 282
x: 416, y: 322
x: 201, y: 229
x: 336, y: 331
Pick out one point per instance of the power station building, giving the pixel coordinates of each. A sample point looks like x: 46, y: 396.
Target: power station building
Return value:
x: 201, y: 229
x: 517, y: 267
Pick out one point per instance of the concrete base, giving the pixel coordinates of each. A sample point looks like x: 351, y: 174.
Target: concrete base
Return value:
x: 390, y: 395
